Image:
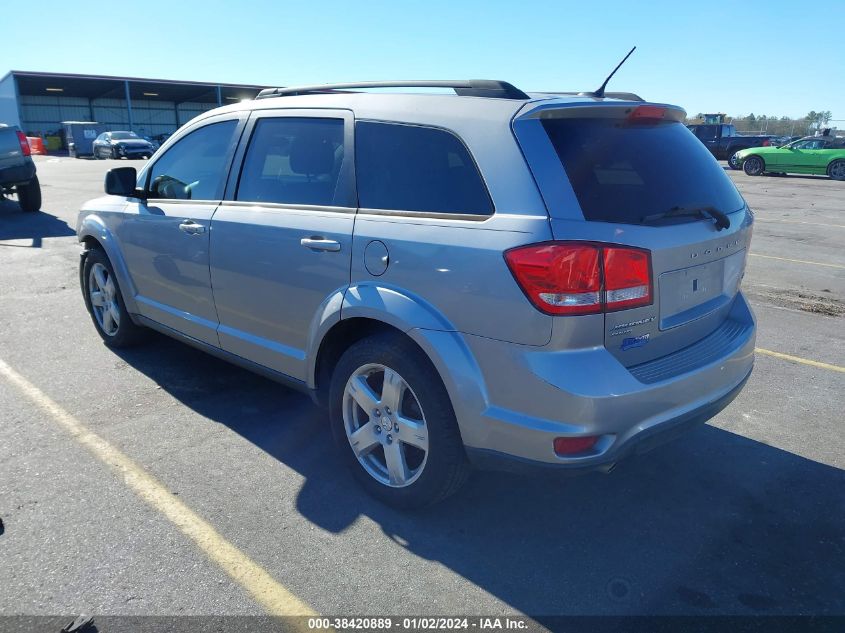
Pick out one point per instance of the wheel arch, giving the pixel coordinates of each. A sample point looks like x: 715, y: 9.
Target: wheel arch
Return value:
x: 830, y: 163
x: 367, y: 310
x: 92, y: 232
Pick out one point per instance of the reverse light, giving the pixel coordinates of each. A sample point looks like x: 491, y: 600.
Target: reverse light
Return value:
x: 627, y: 278
x: 570, y: 278
x: 25, y: 148
x: 574, y: 445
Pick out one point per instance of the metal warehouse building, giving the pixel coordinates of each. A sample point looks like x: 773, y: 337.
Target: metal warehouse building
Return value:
x: 39, y: 102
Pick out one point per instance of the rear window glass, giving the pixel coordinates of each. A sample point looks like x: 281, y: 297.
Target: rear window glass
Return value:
x: 293, y: 161
x: 622, y: 172
x: 413, y: 168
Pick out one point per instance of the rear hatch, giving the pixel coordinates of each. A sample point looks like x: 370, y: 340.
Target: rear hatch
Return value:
x: 631, y: 174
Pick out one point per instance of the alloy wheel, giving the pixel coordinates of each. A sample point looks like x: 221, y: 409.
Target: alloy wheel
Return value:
x: 385, y: 425
x: 103, y: 295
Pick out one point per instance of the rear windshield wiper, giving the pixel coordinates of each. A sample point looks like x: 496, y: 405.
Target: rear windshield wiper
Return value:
x: 721, y: 219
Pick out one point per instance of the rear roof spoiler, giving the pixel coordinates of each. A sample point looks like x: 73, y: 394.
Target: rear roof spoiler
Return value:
x: 625, y: 96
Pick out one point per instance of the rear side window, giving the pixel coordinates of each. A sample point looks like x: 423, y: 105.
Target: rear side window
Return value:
x: 622, y: 172
x: 292, y: 161
x: 412, y: 168
x: 193, y: 169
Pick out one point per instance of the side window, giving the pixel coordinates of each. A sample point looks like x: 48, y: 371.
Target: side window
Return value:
x: 193, y: 169
x: 292, y: 161
x: 707, y: 132
x: 412, y: 168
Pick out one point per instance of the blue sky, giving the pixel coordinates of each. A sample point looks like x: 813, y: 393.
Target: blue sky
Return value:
x: 706, y: 61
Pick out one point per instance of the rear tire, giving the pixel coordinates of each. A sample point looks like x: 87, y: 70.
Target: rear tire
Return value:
x: 104, y: 301
x: 753, y: 166
x: 836, y: 170
x: 29, y: 195
x: 433, y: 461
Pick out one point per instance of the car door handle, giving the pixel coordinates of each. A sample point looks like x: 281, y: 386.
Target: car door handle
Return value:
x: 191, y: 228
x: 320, y: 244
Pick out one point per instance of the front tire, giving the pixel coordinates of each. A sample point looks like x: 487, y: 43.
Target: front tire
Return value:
x: 29, y: 195
x: 394, y: 425
x: 836, y: 170
x: 753, y: 166
x: 105, y: 302
x: 733, y: 161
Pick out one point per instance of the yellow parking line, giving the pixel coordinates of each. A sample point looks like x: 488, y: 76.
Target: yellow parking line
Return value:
x: 269, y: 593
x: 759, y: 219
x: 798, y: 261
x: 798, y: 359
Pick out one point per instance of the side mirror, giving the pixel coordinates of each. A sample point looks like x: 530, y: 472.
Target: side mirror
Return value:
x: 120, y: 181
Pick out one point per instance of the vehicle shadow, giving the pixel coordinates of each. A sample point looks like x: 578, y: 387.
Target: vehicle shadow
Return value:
x: 712, y: 523
x: 29, y: 228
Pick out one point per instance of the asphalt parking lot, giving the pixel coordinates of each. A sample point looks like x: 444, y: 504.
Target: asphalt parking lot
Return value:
x: 745, y: 515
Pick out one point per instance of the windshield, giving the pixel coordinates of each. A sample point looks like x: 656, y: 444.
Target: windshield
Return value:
x: 621, y: 172
x: 119, y: 136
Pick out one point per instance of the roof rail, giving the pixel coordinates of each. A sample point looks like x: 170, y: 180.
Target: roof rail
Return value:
x: 627, y: 96
x: 464, y: 88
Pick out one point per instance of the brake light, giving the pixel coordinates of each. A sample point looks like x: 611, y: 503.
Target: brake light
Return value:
x: 627, y: 278
x: 566, y: 278
x: 766, y: 142
x: 647, y: 113
x: 558, y: 278
x: 25, y: 148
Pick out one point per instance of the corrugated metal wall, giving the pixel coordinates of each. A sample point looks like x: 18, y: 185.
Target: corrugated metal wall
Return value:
x: 44, y: 114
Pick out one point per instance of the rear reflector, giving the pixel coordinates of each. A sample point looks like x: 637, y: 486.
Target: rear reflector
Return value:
x: 25, y: 148
x: 567, y: 278
x: 574, y: 445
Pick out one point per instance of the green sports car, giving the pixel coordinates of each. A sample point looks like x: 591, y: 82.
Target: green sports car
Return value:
x: 809, y: 155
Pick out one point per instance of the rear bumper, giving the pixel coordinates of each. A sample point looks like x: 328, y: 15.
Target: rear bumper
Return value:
x: 17, y: 175
x: 536, y: 395
x: 641, y: 442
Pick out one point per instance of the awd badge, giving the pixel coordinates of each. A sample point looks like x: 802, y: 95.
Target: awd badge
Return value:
x: 634, y: 341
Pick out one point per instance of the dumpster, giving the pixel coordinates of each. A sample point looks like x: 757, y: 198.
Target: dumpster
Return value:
x: 79, y: 136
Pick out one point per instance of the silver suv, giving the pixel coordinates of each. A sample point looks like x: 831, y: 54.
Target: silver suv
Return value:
x: 490, y: 278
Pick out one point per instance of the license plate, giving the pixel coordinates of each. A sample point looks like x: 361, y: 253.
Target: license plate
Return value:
x: 693, y: 292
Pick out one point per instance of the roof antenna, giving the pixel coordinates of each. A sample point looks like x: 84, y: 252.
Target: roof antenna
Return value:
x: 600, y: 92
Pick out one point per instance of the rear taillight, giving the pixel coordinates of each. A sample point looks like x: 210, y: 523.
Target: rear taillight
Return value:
x: 766, y: 142
x: 25, y: 148
x: 627, y: 278
x: 564, y: 278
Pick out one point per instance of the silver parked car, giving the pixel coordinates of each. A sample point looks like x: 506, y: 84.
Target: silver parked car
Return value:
x: 491, y: 278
